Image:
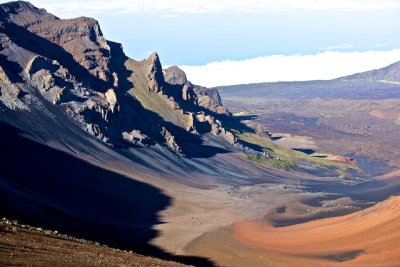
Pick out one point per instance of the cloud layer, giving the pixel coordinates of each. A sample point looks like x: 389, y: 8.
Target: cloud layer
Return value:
x: 73, y: 7
x: 321, y: 66
x: 338, y: 46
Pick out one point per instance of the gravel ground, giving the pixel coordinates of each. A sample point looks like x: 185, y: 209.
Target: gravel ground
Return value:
x: 22, y: 245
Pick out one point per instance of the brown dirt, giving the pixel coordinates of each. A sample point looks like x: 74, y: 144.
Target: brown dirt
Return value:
x: 22, y: 245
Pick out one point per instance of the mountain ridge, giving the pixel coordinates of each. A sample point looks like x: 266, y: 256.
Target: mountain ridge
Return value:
x: 390, y: 73
x: 73, y: 66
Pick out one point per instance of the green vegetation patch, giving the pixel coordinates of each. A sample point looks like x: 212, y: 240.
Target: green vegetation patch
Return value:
x: 154, y: 101
x: 274, y: 162
x: 286, y: 158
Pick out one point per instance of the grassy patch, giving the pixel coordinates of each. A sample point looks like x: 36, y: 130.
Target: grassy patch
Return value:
x: 153, y: 101
x: 274, y: 162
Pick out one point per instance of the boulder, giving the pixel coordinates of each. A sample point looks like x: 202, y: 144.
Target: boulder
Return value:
x: 134, y: 136
x: 111, y: 99
x: 170, y: 140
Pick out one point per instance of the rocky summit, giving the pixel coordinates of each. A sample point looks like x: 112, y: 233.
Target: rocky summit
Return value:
x: 69, y: 63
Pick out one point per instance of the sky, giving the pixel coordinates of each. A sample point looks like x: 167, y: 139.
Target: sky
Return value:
x: 223, y: 42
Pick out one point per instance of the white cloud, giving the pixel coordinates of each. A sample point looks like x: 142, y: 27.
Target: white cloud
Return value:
x: 338, y: 47
x: 380, y: 45
x: 66, y: 8
x: 321, y: 66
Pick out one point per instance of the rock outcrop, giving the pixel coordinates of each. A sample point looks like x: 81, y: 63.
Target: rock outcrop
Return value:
x: 3, y: 77
x: 135, y: 137
x: 111, y: 99
x: 210, y: 99
x: 201, y: 103
x: 10, y: 93
x: 201, y: 96
x: 80, y: 37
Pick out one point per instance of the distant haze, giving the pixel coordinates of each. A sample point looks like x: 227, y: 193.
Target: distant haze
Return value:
x: 322, y: 66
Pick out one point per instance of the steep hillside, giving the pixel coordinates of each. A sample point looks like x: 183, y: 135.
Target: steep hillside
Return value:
x: 116, y: 99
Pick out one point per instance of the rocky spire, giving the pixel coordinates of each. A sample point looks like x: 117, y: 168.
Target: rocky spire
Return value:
x: 154, y: 73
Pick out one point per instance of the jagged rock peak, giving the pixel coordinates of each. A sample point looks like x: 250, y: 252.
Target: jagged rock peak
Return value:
x: 155, y: 63
x: 154, y: 72
x: 175, y: 76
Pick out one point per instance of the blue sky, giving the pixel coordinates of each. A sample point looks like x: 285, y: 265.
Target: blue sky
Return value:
x: 196, y: 39
x: 195, y: 34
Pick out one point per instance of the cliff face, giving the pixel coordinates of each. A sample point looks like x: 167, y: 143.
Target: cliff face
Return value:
x: 80, y: 37
x: 203, y: 97
x: 70, y: 64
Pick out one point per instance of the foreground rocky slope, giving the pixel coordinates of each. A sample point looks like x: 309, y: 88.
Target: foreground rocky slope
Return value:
x: 19, y: 246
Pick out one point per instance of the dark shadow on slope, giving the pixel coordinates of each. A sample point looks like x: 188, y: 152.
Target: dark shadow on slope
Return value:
x: 191, y: 144
x: 250, y: 117
x: 251, y: 146
x: 307, y: 151
x: 371, y: 191
x: 11, y: 69
x: 49, y: 188
x: 343, y: 256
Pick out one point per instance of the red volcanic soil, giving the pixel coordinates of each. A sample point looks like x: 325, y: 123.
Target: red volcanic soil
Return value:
x: 343, y: 159
x: 370, y: 237
x: 389, y: 175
